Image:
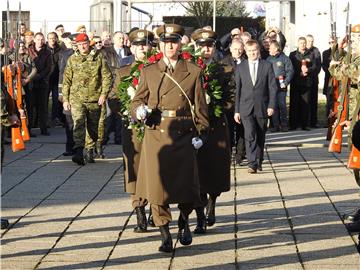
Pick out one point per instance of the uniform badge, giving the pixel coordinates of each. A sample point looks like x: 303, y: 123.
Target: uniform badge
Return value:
x: 169, y: 29
x: 205, y: 35
x: 140, y: 34
x: 278, y: 64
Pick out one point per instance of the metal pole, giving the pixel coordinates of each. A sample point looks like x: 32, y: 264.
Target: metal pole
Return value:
x: 214, y: 15
x: 129, y: 16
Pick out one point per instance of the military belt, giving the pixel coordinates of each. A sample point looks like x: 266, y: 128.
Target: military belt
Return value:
x: 174, y: 113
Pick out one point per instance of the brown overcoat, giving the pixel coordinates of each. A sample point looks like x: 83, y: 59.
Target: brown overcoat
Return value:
x: 130, y: 144
x: 168, y: 171
x: 214, y: 158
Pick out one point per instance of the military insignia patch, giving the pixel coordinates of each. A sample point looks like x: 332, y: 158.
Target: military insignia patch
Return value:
x: 140, y: 34
x: 279, y: 64
x: 205, y: 35
x: 169, y: 29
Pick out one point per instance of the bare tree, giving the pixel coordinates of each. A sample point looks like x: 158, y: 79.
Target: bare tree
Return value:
x: 203, y: 11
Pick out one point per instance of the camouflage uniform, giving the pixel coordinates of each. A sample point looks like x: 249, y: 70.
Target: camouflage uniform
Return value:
x: 86, y: 77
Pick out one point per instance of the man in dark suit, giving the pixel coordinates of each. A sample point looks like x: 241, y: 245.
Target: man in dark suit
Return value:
x: 236, y: 56
x: 256, y: 91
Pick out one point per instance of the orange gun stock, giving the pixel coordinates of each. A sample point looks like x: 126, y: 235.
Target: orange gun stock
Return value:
x: 354, y: 158
x: 17, y: 142
x: 24, y: 130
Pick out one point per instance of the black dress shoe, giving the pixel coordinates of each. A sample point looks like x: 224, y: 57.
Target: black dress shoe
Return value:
x: 68, y: 153
x: 150, y: 220
x: 354, y: 216
x: 201, y: 221
x: 166, y: 245
x: 45, y: 133
x: 184, y: 233
x: 210, y: 212
x: 141, y: 220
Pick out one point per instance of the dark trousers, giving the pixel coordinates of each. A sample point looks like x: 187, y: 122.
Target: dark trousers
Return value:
x: 255, y: 129
x: 69, y: 126
x: 38, y: 102
x: 113, y: 123
x: 238, y: 141
x: 54, y: 90
x: 299, y: 107
x: 313, y: 105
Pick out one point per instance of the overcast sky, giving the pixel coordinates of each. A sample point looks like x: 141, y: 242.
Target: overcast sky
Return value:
x: 74, y: 12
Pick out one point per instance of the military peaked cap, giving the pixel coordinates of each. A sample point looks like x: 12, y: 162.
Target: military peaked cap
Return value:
x: 202, y: 36
x: 141, y: 37
x: 170, y: 32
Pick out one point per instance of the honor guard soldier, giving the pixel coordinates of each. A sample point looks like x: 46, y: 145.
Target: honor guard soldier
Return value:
x: 172, y: 104
x: 352, y: 71
x: 86, y: 83
x: 141, y: 45
x: 214, y: 158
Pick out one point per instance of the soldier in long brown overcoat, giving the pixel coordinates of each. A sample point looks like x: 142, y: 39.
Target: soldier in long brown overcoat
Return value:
x: 168, y: 172
x: 141, y: 41
x: 214, y: 158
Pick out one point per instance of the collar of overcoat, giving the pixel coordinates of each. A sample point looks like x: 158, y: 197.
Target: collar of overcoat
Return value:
x: 180, y: 73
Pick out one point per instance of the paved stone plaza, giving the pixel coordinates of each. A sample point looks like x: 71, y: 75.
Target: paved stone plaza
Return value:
x: 289, y: 216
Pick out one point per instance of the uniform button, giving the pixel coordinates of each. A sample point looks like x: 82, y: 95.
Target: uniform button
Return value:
x: 224, y: 124
x: 163, y: 96
x: 162, y: 118
x: 212, y: 129
x: 179, y: 107
x: 179, y: 132
x: 180, y: 95
x: 161, y: 130
x: 191, y: 129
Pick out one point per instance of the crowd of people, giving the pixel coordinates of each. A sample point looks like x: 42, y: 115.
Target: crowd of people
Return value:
x: 167, y: 96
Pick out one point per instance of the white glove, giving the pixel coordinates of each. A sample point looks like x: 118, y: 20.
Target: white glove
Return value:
x: 141, y: 112
x: 197, y: 142
x: 282, y: 85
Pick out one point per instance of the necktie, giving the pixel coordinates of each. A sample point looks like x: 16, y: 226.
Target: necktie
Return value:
x: 253, y: 72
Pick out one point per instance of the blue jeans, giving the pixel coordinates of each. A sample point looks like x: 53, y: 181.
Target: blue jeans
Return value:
x: 280, y: 113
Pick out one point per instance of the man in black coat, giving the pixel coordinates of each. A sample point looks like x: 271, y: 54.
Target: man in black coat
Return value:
x: 326, y: 59
x: 236, y: 56
x: 256, y: 91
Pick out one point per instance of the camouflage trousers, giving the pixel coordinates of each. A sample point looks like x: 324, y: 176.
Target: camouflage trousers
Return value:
x: 86, y: 120
x: 89, y: 143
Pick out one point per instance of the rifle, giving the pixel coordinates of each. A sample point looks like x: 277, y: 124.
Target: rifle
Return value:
x: 336, y: 139
x: 333, y: 83
x: 17, y: 142
x: 19, y: 97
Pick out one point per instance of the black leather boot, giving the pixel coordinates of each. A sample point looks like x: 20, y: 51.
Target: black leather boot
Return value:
x: 210, y: 211
x: 99, y: 151
x: 354, y: 216
x: 166, y: 245
x: 353, y: 227
x: 201, y: 221
x: 184, y: 233
x: 141, y: 220
x: 150, y: 220
x: 78, y: 157
x: 4, y: 224
x: 89, y: 156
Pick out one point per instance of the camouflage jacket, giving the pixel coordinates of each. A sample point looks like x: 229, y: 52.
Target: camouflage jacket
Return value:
x: 86, y: 77
x: 352, y: 71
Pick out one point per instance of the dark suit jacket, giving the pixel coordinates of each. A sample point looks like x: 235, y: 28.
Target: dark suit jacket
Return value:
x: 255, y: 98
